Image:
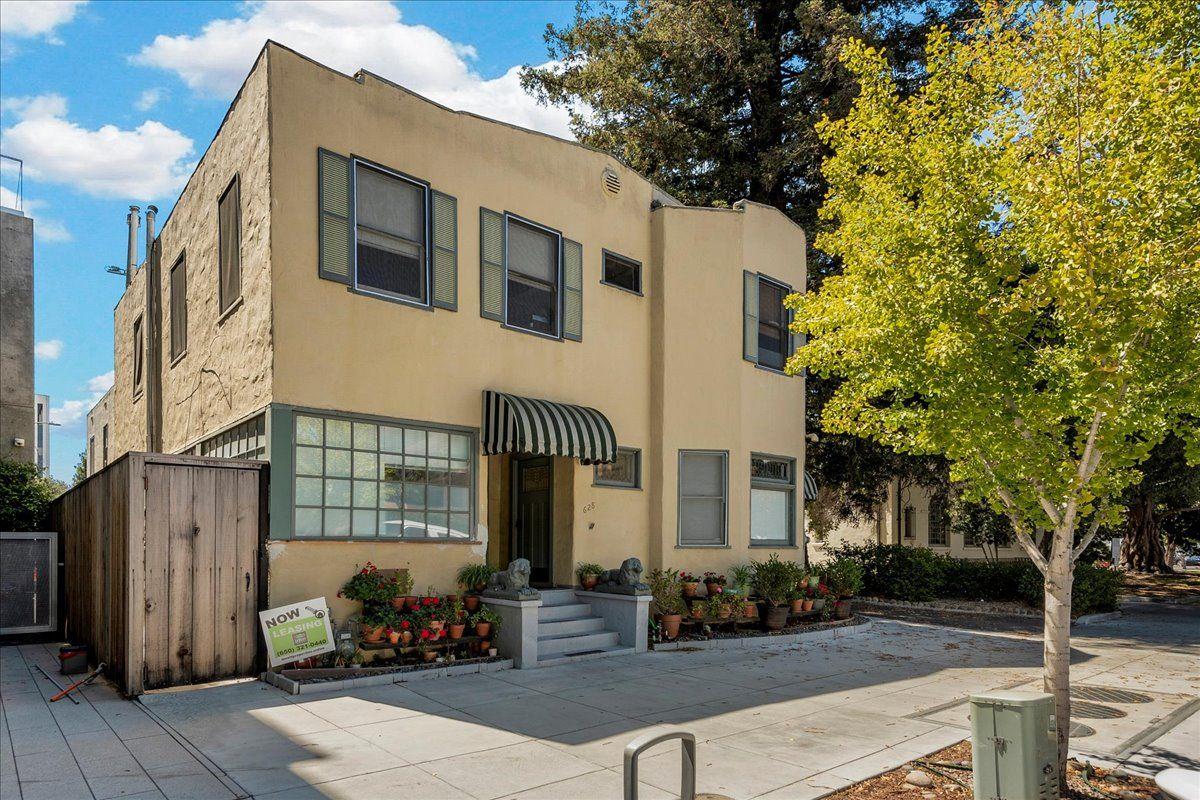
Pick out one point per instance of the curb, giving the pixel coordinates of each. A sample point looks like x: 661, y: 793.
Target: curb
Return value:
x: 758, y: 641
x: 295, y: 687
x: 1089, y: 619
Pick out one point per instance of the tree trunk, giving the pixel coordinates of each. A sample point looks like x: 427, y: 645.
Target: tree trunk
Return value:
x: 1056, y: 653
x: 1142, y: 546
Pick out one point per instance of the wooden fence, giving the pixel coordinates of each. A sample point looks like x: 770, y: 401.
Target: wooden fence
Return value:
x: 163, y: 571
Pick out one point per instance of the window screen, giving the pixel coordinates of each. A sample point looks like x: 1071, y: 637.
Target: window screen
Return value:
x: 362, y: 479
x: 229, y: 218
x: 178, y: 308
x: 390, y: 230
x: 622, y: 272
x: 625, y: 472
x: 138, y: 352
x: 772, y: 325
x: 772, y: 500
x: 532, y: 278
x: 702, y: 498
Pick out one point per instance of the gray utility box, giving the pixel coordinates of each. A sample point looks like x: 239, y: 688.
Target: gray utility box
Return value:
x: 1014, y: 747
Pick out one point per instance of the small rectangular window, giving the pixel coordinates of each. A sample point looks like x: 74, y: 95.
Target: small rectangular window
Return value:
x: 625, y: 472
x: 138, y: 352
x: 178, y: 308
x: 229, y: 220
x: 772, y: 325
x: 772, y: 501
x: 703, y: 493
x: 533, y: 277
x: 104, y: 445
x: 390, y: 234
x: 623, y: 273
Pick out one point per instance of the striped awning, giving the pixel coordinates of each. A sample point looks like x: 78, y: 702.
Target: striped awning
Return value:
x: 810, y: 488
x: 514, y: 424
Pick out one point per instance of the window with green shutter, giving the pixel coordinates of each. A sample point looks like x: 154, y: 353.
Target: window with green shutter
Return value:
x: 572, y: 276
x: 445, y: 251
x: 491, y: 264
x: 333, y: 224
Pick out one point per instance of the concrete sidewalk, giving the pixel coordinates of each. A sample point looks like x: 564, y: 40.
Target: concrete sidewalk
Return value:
x: 774, y: 721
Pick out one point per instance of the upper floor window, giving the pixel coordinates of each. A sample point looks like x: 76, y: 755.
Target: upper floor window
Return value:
x: 623, y: 273
x: 534, y: 279
x: 104, y: 445
x: 624, y: 473
x: 178, y: 308
x: 772, y: 500
x: 138, y: 353
x: 390, y: 213
x: 766, y: 335
x: 229, y: 223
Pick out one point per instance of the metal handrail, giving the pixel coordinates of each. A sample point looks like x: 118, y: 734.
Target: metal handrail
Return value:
x: 687, y: 783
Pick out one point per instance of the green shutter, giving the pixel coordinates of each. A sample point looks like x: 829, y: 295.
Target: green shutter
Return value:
x: 572, y: 290
x: 750, y: 316
x: 333, y: 182
x: 491, y: 265
x: 445, y: 252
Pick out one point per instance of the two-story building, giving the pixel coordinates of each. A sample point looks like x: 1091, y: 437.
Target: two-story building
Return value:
x: 455, y: 339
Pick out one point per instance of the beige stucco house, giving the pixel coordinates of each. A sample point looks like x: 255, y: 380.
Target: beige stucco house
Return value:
x: 371, y: 290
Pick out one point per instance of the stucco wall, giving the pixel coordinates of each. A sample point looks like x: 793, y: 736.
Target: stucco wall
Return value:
x: 99, y: 416
x: 225, y: 372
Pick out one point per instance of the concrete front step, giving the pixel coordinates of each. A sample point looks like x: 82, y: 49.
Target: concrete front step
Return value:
x: 557, y: 597
x: 606, y: 652
x: 568, y: 645
x: 569, y: 611
x: 570, y: 627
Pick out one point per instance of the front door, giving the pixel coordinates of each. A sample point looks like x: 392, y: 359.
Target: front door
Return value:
x: 533, y: 515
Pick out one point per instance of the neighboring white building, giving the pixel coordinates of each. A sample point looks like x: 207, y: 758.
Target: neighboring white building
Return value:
x: 41, y: 434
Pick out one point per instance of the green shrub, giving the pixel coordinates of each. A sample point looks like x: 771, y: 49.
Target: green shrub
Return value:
x: 844, y: 577
x: 897, y: 571
x: 1095, y: 589
x: 25, y: 496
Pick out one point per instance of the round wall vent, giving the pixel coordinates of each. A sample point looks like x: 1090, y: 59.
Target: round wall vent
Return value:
x: 612, y: 181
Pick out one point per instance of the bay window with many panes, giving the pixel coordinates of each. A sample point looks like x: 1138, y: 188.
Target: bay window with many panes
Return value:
x: 362, y: 479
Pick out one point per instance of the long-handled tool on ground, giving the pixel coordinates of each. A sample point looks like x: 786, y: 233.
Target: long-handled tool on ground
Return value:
x: 57, y: 685
x: 86, y: 679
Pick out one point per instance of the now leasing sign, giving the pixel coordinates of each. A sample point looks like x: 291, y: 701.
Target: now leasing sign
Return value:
x: 297, y: 631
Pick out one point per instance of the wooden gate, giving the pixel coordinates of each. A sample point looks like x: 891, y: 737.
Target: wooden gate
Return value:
x: 162, y: 558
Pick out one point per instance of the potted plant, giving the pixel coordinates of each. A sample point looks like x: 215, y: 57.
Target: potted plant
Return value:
x: 485, y: 620
x: 426, y: 638
x: 402, y: 586
x: 795, y: 601
x: 714, y: 583
x: 820, y: 596
x: 688, y: 582
x: 369, y: 587
x: 491, y: 651
x: 713, y: 606
x: 374, y: 622
x: 473, y: 577
x: 773, y: 582
x: 458, y: 619
x: 589, y: 574
x: 668, y: 600
x: 844, y: 578
x: 697, y: 610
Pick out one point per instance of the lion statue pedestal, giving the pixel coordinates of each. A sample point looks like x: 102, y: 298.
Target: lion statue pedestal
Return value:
x: 512, y: 583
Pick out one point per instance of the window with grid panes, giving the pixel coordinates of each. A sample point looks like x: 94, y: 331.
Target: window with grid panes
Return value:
x: 365, y: 479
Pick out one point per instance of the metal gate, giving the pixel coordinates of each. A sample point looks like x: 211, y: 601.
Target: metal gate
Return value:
x: 28, y: 582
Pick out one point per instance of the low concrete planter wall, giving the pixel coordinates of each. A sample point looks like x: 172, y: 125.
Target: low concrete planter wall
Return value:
x: 296, y: 687
x: 860, y: 626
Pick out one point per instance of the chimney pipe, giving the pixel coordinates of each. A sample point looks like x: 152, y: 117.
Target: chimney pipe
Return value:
x: 151, y: 211
x: 134, y: 220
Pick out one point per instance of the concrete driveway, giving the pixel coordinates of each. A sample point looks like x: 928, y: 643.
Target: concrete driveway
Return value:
x: 773, y: 722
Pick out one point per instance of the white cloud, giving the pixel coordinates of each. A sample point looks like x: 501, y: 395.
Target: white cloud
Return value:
x: 49, y: 349
x: 149, y: 98
x: 347, y: 36
x: 72, y: 414
x: 44, y: 228
x: 146, y: 162
x: 27, y: 18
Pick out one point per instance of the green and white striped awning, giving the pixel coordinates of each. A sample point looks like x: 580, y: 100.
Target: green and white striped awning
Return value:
x: 810, y: 488
x: 514, y: 424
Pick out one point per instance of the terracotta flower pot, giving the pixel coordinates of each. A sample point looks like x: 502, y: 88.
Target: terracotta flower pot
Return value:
x: 670, y: 625
x: 774, y: 617
x: 435, y: 625
x: 797, y: 606
x: 483, y: 628
x: 697, y: 611
x: 484, y: 645
x: 398, y: 603
x: 751, y: 610
x: 589, y: 582
x: 713, y: 588
x: 841, y: 609
x: 394, y: 637
x: 428, y: 655
x: 689, y: 589
x: 405, y: 637
x: 371, y: 634
x: 725, y: 613
x: 457, y: 629
x: 471, y: 602
x: 808, y: 605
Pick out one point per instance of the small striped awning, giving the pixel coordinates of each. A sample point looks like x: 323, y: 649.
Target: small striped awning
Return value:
x: 514, y: 424
x: 810, y: 488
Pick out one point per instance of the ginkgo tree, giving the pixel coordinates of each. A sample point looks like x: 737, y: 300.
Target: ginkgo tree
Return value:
x: 1021, y: 285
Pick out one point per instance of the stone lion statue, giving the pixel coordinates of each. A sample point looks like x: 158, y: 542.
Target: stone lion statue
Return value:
x: 512, y: 582
x: 626, y: 580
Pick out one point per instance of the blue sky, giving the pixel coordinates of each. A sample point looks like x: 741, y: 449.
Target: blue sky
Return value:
x: 111, y: 103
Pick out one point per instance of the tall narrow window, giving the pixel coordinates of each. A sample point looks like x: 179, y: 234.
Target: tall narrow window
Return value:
x: 91, y: 454
x: 229, y: 221
x: 772, y: 500
x: 703, y: 491
x: 138, y: 353
x: 390, y: 234
x: 939, y: 521
x: 533, y: 278
x: 104, y: 446
x: 178, y: 308
x: 772, y: 325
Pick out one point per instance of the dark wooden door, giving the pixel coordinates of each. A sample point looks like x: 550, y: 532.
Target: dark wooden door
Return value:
x: 533, y: 516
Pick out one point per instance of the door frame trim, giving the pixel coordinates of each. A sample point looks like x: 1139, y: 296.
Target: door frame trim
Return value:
x: 514, y: 491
